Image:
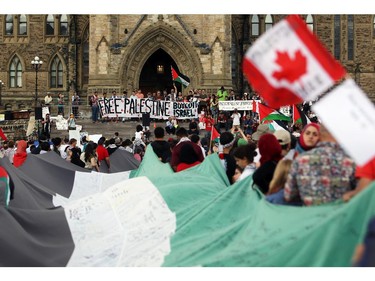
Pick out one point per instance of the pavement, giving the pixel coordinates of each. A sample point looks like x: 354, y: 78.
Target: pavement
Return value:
x: 107, y: 129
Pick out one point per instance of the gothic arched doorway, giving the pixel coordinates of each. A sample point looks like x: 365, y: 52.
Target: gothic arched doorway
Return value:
x: 156, y: 73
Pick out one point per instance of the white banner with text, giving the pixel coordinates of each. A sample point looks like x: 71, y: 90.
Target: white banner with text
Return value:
x: 159, y: 109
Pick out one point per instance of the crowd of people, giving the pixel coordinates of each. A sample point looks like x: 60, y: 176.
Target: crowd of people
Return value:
x: 296, y: 165
x: 316, y: 169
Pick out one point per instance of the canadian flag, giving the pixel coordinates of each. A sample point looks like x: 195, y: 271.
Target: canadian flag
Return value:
x: 288, y: 64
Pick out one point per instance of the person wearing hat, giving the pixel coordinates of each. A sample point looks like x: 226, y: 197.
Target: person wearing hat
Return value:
x: 261, y: 130
x: 284, y: 138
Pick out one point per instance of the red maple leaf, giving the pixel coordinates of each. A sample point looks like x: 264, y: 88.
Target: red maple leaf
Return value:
x: 291, y: 68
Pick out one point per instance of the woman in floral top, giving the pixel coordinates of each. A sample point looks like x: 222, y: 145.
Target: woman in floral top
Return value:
x: 321, y: 175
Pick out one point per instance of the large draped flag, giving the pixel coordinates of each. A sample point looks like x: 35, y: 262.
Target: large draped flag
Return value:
x: 288, y: 64
x: 184, y: 80
x: 155, y: 217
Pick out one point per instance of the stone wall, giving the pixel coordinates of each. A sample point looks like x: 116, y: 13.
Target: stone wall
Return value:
x: 179, y: 36
x: 120, y: 44
x: 35, y: 43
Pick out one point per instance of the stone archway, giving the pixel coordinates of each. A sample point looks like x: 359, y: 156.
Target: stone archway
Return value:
x: 156, y: 73
x: 160, y: 36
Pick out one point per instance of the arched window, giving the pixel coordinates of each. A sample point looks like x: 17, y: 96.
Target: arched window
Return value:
x: 310, y: 22
x: 337, y: 37
x: 373, y: 27
x: 9, y: 25
x: 56, y: 73
x: 15, y: 73
x: 234, y: 59
x: 63, y: 25
x: 85, y: 57
x: 22, y: 25
x: 50, y: 25
x: 268, y: 22
x: 350, y: 37
x: 254, y: 25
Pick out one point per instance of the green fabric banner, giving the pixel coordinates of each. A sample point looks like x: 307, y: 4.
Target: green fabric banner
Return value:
x: 223, y: 225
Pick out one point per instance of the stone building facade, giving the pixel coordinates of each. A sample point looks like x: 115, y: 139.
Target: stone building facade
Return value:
x: 105, y: 53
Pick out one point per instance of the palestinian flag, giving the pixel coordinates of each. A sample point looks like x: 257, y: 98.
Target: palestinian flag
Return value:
x: 267, y: 113
x: 299, y: 116
x: 214, y: 133
x: 180, y: 78
x: 277, y: 125
x: 63, y: 215
x: 288, y: 64
x: 296, y: 115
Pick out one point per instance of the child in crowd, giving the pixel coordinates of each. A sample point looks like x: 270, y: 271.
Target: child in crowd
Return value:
x: 237, y: 174
x: 139, y: 137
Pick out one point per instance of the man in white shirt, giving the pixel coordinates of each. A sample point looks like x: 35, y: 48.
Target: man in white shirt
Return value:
x: 48, y: 101
x: 236, y: 118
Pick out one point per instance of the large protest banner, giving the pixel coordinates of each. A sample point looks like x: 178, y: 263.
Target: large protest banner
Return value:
x: 159, y: 109
x: 141, y: 219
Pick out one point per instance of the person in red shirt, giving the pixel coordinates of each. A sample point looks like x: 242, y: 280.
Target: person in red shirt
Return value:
x: 20, y: 155
x: 365, y: 174
x: 209, y: 122
x: 103, y: 152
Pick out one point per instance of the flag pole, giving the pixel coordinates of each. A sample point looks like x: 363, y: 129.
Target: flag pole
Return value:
x: 210, y: 146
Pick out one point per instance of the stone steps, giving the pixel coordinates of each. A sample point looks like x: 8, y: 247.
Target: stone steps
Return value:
x: 107, y: 129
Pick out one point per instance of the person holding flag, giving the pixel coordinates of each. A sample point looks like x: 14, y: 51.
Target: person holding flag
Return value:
x: 180, y: 78
x: 214, y: 136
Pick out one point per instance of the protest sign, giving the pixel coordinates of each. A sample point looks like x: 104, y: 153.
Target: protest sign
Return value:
x: 236, y: 104
x: 350, y: 117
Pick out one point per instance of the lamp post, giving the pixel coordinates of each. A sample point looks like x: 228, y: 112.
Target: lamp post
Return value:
x: 1, y: 88
x: 36, y: 63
